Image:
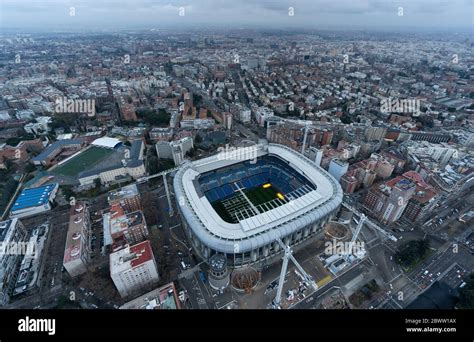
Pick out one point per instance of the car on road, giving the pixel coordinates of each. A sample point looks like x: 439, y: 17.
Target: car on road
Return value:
x: 203, y: 277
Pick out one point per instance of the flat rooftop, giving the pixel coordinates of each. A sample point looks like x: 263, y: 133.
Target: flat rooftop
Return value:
x: 162, y: 298
x: 34, y: 197
x: 122, y: 193
x: 106, y: 142
x: 130, y: 257
x: 120, y: 221
x: 75, y: 233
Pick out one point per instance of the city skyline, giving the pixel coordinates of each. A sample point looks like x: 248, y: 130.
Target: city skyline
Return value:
x: 442, y: 15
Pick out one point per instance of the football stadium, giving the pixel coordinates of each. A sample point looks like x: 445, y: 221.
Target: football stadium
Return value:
x: 241, y: 206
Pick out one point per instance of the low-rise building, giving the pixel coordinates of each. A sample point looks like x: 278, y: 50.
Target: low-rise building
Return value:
x: 388, y: 200
x: 128, y: 197
x: 133, y: 268
x: 126, y: 228
x: 12, y: 232
x: 162, y: 298
x: 49, y: 155
x: 175, y: 150
x: 262, y: 114
x: 34, y: 201
x: 424, y: 198
x: 337, y: 168
x: 161, y: 134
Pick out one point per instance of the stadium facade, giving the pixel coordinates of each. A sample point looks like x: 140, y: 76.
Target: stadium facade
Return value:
x: 222, y: 213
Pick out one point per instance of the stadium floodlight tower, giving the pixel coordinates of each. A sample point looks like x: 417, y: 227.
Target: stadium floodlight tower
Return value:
x: 306, y: 128
x: 362, y: 220
x: 287, y: 256
x: 170, y: 205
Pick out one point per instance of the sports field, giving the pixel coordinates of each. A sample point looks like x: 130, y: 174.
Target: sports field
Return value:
x: 235, y: 208
x: 260, y: 195
x: 83, y: 161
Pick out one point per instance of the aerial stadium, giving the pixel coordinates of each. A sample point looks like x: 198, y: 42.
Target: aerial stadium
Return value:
x: 240, y: 205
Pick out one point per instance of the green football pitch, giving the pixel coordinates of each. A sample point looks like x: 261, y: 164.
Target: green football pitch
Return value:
x: 260, y: 195
x: 257, y: 195
x: 83, y: 161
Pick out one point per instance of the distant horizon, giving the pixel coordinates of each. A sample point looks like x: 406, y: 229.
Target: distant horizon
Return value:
x: 198, y: 28
x: 336, y: 15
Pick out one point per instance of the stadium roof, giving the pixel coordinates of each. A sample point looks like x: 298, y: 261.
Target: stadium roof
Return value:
x: 135, y: 149
x: 266, y: 227
x: 106, y: 142
x: 34, y: 197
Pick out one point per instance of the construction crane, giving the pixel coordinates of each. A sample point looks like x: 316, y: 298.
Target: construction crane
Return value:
x: 364, y: 219
x: 287, y: 256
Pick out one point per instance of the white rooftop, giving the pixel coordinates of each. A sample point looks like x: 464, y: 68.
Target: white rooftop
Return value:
x: 106, y: 142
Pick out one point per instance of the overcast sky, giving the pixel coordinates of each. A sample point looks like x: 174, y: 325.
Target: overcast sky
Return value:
x: 331, y: 14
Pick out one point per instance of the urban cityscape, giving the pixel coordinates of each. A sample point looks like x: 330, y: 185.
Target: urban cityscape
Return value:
x: 188, y: 164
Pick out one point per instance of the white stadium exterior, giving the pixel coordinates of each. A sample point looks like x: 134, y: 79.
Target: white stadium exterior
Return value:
x: 254, y: 239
